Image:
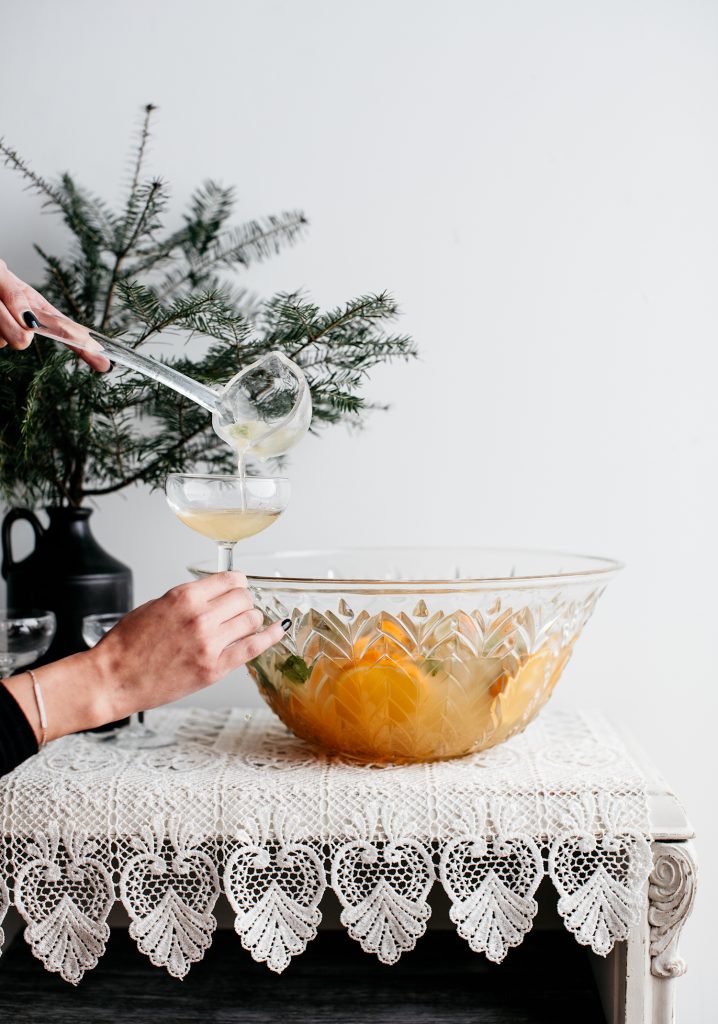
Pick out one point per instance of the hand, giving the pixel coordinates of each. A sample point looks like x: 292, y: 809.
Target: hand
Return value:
x: 186, y: 640
x: 21, y: 307
x: 168, y: 648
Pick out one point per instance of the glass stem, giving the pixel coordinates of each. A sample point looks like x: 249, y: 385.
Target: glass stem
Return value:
x: 225, y: 560
x: 137, y: 726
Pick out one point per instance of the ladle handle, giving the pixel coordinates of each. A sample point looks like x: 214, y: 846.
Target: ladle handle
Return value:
x: 160, y: 372
x: 90, y: 340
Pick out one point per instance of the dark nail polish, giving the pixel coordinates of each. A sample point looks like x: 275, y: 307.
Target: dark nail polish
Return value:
x: 286, y: 623
x: 30, y: 319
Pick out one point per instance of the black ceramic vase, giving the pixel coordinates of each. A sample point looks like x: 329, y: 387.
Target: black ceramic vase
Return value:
x: 67, y: 573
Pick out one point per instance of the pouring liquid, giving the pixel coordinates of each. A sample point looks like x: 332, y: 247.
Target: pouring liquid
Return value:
x: 255, y: 438
x: 239, y: 437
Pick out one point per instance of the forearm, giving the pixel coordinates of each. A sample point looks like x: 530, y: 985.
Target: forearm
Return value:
x: 74, y: 693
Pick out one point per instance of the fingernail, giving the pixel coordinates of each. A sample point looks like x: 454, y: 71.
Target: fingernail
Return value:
x: 286, y: 623
x: 30, y: 319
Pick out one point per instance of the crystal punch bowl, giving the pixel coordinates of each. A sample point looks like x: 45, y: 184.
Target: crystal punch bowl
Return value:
x: 399, y: 655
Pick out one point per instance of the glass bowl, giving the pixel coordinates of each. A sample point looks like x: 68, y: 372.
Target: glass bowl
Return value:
x: 397, y: 655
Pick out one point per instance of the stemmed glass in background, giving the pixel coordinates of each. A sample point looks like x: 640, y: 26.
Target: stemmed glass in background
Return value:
x: 227, y: 509
x: 24, y: 637
x: 136, y: 735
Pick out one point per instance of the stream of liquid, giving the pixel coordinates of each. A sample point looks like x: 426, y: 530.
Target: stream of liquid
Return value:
x: 242, y: 473
x: 232, y: 525
x: 252, y: 438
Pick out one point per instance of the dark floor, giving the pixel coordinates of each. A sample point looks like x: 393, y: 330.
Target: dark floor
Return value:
x: 547, y: 980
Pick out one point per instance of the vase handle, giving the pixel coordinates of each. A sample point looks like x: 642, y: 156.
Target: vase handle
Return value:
x: 8, y: 563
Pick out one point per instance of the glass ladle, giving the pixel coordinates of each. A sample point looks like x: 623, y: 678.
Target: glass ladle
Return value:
x: 265, y: 409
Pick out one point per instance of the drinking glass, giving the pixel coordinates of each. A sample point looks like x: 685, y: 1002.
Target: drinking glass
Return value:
x: 24, y: 637
x: 136, y: 735
x: 227, y: 509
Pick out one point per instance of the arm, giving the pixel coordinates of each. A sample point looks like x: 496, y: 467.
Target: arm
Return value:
x: 190, y: 638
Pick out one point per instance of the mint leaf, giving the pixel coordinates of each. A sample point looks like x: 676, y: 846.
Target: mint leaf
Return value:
x: 295, y: 669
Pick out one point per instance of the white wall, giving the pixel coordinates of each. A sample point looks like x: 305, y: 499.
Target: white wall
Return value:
x: 537, y: 182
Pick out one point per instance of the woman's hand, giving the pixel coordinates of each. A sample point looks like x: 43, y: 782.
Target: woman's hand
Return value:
x: 168, y: 648
x: 186, y: 640
x: 22, y: 308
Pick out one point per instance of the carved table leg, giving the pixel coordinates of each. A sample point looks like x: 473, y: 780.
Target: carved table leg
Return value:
x: 671, y: 892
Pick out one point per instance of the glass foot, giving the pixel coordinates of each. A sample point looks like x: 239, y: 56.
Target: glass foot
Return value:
x: 139, y: 737
x: 101, y: 737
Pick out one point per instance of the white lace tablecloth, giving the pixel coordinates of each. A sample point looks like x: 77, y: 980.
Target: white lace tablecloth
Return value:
x: 238, y: 805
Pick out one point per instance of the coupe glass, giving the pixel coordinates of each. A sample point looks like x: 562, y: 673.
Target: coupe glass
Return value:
x: 227, y: 509
x: 24, y: 637
x: 136, y: 735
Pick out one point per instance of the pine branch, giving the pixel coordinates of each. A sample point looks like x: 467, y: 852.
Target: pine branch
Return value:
x: 258, y: 239
x: 146, y: 472
x: 209, y: 208
x: 59, y: 276
x: 367, y: 307
x: 35, y: 182
x: 148, y: 209
x: 139, y: 161
x: 67, y: 434
x: 239, y: 247
x: 204, y: 313
x: 90, y: 239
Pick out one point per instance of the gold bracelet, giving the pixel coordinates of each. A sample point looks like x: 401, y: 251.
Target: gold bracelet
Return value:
x: 40, y: 707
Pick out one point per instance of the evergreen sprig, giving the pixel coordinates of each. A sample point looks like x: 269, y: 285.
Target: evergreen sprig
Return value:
x: 67, y: 433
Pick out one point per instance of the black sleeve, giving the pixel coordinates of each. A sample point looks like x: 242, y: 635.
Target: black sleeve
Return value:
x: 17, y: 740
